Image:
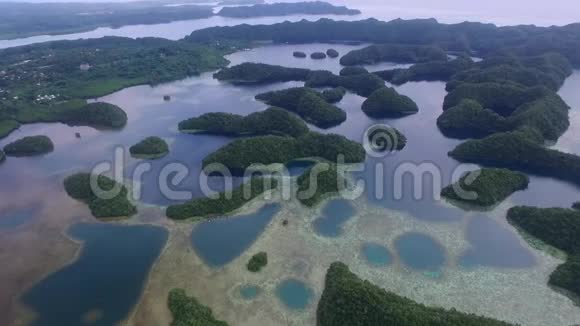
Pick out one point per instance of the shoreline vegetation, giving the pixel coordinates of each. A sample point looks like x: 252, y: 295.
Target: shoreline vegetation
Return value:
x: 349, y: 300
x: 257, y: 262
x: 78, y: 186
x: 224, y: 203
x: 559, y: 228
x: 33, y: 19
x: 486, y: 187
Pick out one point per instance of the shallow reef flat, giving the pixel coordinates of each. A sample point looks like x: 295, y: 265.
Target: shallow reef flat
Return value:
x: 296, y: 252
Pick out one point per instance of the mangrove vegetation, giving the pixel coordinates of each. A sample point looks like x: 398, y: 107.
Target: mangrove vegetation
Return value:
x: 150, y: 147
x: 187, y: 311
x: 29, y: 146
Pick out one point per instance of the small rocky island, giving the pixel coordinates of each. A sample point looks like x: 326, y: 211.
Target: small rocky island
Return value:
x: 332, y: 53
x: 469, y: 119
x: 97, y: 115
x: 387, y: 103
x: 299, y: 54
x: 486, y: 187
x: 257, y: 262
x: 29, y: 146
x: 78, y: 186
x: 318, y: 55
x: 150, y: 148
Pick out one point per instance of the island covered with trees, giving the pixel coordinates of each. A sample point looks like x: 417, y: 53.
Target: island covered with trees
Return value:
x: 307, y: 103
x: 386, y: 102
x: 287, y: 8
x: 50, y: 82
x: 257, y: 262
x: 399, y: 53
x: 349, y: 300
x: 241, y: 154
x: 78, y: 186
x: 224, y: 203
x: 486, y: 187
x: 328, y: 181
x: 29, y: 146
x: 559, y: 228
x: 272, y: 121
x: 188, y: 311
x: 150, y: 147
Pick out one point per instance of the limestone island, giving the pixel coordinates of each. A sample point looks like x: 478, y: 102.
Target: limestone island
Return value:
x: 349, y: 300
x: 387, y: 103
x: 29, y: 146
x: 150, y: 148
x: 318, y: 55
x: 559, y: 228
x: 521, y: 150
x: 469, y: 119
x: 272, y: 121
x: 78, y: 186
x: 332, y: 53
x: 329, y: 182
x: 188, y: 311
x: 97, y: 115
x: 285, y: 9
x: 334, y: 95
x: 257, y: 262
x: 361, y: 84
x: 260, y: 73
x: 486, y: 187
x: 353, y: 71
x: 223, y: 204
x: 307, y: 103
x: 427, y: 71
x: 385, y: 139
x: 398, y: 53
x: 241, y: 154
x: 299, y: 54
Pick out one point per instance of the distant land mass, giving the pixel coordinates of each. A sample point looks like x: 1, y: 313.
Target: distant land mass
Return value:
x: 20, y: 19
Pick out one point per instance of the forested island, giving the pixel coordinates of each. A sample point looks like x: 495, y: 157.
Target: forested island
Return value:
x: 435, y: 70
x: 309, y: 104
x: 559, y: 228
x: 284, y: 9
x: 241, y: 154
x: 78, y: 186
x: 150, y: 147
x: 383, y: 138
x: 259, y: 73
x: 469, y: 119
x: 349, y: 300
x: 272, y: 121
x: 29, y: 146
x: 49, y: 82
x: 486, y: 187
x: 188, y: 311
x: 257, y: 262
x: 328, y: 182
x: 385, y: 102
x: 224, y: 203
